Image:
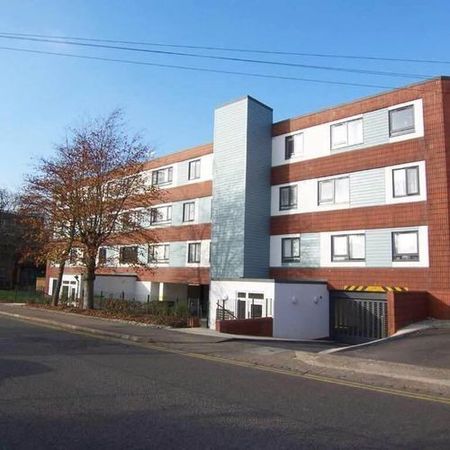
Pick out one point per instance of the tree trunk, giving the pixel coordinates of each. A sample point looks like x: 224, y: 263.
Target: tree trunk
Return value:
x: 55, y: 293
x: 89, y: 278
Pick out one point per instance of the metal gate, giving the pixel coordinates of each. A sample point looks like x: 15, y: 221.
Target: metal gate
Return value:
x: 357, y: 317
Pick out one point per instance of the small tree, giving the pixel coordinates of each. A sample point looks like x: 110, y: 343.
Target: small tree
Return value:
x: 110, y: 192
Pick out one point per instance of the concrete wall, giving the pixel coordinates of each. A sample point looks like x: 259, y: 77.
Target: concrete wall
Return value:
x: 301, y: 311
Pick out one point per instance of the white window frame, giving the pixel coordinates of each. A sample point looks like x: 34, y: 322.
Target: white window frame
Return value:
x: 192, y: 208
x: 346, y: 143
x: 125, y: 263
x: 166, y: 253
x: 321, y: 202
x: 291, y: 144
x: 347, y: 257
x: 194, y: 174
x: 290, y: 259
x: 161, y: 222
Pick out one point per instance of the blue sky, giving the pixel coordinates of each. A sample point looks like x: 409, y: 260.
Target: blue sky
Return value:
x: 40, y: 95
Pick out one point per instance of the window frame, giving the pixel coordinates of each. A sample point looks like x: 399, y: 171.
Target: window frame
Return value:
x: 290, y: 259
x: 290, y: 140
x: 102, y: 255
x: 397, y: 257
x: 151, y: 249
x: 128, y: 261
x: 348, y: 257
x: 197, y: 253
x: 403, y: 131
x: 160, y: 222
x: 191, y: 205
x: 333, y: 202
x: 291, y: 205
x: 406, y: 168
x: 192, y: 174
x: 156, y: 175
x: 346, y: 122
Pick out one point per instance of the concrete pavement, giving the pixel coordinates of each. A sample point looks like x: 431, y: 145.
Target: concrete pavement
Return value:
x: 60, y: 390
x: 302, y: 358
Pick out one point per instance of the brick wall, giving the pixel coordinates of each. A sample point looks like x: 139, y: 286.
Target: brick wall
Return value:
x: 405, y: 308
x: 250, y: 327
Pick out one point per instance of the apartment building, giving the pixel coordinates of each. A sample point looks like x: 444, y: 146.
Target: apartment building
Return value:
x: 347, y: 204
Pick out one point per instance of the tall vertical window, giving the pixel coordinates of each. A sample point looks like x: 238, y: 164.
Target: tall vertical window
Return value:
x: 128, y: 255
x: 401, y: 121
x: 288, y: 197
x: 406, y: 181
x: 194, y: 252
x: 158, y: 253
x: 161, y: 214
x: 189, y: 212
x: 73, y: 256
x: 102, y: 255
x: 348, y: 247
x: 347, y: 133
x: 290, y: 249
x: 405, y: 246
x: 293, y: 146
x: 162, y: 176
x: 334, y: 191
x: 194, y: 169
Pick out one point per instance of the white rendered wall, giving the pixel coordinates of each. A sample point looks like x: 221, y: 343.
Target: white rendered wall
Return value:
x: 114, y: 286
x: 227, y: 290
x: 301, y: 311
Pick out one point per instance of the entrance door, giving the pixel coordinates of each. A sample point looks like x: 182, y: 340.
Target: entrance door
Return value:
x: 241, y: 309
x: 65, y: 292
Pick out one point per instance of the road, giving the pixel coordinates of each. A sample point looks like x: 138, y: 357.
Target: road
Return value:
x: 61, y: 390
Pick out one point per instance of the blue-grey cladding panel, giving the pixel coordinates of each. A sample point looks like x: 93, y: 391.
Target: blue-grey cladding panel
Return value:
x: 368, y: 187
x: 177, y: 254
x: 378, y: 248
x: 258, y: 191
x: 228, y: 205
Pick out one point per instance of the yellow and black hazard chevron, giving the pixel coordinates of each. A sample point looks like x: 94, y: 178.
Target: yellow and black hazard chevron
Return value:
x: 375, y: 288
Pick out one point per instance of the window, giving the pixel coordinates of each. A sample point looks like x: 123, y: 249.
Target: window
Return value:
x: 162, y: 176
x: 162, y: 214
x: 405, y: 181
x: 189, y: 212
x: 405, y: 246
x: 293, y: 146
x: 102, y: 255
x: 158, y: 253
x: 347, y: 133
x: 194, y: 252
x: 290, y: 250
x: 128, y: 255
x: 401, y: 121
x: 348, y: 247
x: 288, y: 197
x: 334, y: 191
x: 73, y: 256
x: 194, y: 169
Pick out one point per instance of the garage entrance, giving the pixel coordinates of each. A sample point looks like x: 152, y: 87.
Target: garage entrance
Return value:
x: 357, y: 317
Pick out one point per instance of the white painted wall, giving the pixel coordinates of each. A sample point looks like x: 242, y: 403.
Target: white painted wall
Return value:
x: 317, y: 142
x: 308, y: 198
x: 114, y: 285
x: 227, y: 290
x: 301, y: 311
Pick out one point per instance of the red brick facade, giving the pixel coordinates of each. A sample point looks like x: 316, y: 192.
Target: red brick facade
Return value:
x: 434, y: 148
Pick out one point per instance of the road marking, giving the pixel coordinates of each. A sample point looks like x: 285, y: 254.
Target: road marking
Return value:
x: 218, y: 359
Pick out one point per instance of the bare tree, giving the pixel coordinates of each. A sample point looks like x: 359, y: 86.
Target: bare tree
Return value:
x: 110, y: 192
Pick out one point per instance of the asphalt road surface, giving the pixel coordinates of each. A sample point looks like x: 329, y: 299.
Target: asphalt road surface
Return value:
x: 67, y: 391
